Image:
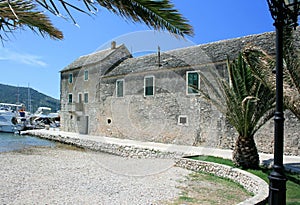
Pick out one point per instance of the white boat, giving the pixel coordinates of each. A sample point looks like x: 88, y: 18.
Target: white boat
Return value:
x: 43, y: 117
x: 8, y: 117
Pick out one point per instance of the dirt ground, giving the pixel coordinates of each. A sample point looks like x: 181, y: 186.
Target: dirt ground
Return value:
x: 67, y: 175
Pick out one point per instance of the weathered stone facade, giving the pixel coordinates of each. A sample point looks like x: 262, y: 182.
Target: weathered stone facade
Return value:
x: 121, y: 102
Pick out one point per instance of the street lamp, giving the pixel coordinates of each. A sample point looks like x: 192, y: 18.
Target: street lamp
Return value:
x: 285, y: 13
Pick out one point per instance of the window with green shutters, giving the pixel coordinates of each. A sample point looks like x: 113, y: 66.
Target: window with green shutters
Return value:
x: 86, y: 97
x: 193, y: 82
x: 120, y: 88
x: 70, y: 78
x: 86, y: 74
x: 149, y: 86
x: 70, y: 98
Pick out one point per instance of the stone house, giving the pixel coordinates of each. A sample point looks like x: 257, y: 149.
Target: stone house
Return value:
x: 154, y: 97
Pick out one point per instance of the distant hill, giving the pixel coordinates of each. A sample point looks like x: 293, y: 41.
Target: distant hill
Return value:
x: 11, y: 94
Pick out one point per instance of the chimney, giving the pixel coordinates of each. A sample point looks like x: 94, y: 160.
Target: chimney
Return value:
x: 113, y: 45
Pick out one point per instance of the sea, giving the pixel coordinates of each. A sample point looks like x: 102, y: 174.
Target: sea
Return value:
x: 12, y: 142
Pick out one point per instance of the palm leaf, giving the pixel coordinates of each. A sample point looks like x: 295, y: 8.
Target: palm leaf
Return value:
x: 292, y: 59
x: 244, y: 100
x: 262, y: 66
x: 17, y: 14
x: 158, y: 14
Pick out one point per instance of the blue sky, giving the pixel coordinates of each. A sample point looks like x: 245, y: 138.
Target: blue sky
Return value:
x: 30, y: 59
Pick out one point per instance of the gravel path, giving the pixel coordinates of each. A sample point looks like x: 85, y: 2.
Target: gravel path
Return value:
x: 63, y: 176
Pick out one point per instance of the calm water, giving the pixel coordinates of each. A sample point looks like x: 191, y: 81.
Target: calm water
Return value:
x: 10, y: 142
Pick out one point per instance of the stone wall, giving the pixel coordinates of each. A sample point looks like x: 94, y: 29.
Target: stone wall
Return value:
x: 80, y: 117
x: 250, y: 182
x: 156, y: 118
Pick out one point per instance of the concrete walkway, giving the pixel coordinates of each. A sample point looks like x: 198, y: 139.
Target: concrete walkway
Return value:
x: 291, y: 163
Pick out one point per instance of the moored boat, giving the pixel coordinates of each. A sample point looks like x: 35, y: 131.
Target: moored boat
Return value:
x: 8, y: 117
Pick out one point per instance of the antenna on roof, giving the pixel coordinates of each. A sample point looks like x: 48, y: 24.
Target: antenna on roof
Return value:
x: 158, y: 55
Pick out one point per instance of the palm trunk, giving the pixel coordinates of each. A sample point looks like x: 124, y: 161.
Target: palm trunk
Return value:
x: 245, y: 153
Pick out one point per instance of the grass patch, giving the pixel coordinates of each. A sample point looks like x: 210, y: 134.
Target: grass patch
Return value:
x: 218, y: 160
x: 292, y: 185
x: 204, y: 188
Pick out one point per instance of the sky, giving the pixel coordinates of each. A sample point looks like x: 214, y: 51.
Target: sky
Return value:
x: 28, y: 59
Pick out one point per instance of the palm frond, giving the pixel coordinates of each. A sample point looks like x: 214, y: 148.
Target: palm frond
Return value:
x: 158, y: 14
x: 211, y: 90
x: 244, y: 100
x: 292, y: 58
x: 262, y: 66
x: 17, y: 14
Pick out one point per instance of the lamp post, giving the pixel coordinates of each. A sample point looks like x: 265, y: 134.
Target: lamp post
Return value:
x: 285, y: 13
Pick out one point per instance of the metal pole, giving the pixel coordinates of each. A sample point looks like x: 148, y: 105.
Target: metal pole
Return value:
x: 277, y: 179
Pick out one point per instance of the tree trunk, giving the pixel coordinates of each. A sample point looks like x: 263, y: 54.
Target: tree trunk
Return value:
x: 245, y: 153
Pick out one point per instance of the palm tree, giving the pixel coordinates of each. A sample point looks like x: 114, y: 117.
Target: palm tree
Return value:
x: 247, y: 104
x: 158, y: 14
x: 263, y: 64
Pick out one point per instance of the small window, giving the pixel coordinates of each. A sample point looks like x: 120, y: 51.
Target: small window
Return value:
x: 70, y: 78
x: 79, y: 98
x: 86, y: 74
x: 182, y: 120
x: 193, y: 82
x: 149, y: 86
x: 86, y: 97
x: 120, y: 88
x: 70, y: 98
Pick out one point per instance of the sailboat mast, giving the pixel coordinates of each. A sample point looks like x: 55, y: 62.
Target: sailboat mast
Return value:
x: 29, y: 100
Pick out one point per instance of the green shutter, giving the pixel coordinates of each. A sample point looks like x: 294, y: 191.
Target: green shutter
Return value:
x: 70, y: 78
x: 193, y: 83
x: 149, y: 86
x: 70, y: 98
x: 86, y: 75
x: 86, y: 97
x: 120, y: 88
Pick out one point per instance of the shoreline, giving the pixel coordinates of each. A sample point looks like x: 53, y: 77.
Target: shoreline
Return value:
x: 58, y: 175
x: 157, y: 168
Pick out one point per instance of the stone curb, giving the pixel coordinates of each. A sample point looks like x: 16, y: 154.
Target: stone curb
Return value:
x: 123, y: 150
x: 249, y: 181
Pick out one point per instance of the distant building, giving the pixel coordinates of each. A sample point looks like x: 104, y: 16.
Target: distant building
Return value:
x: 155, y: 97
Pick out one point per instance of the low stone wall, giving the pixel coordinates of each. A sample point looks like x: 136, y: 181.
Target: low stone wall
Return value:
x: 115, y: 149
x: 249, y: 181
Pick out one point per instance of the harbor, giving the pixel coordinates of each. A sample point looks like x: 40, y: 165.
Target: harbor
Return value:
x: 14, y: 118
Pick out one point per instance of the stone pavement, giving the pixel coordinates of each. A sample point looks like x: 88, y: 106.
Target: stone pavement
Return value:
x: 291, y: 163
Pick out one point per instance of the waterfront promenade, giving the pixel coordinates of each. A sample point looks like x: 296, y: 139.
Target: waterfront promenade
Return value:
x: 290, y: 162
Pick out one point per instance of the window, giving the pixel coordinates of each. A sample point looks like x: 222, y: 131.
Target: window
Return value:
x: 86, y: 74
x: 193, y: 82
x: 120, y: 88
x: 70, y: 98
x: 149, y: 86
x: 79, y: 98
x: 86, y: 97
x: 182, y: 120
x: 70, y: 78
